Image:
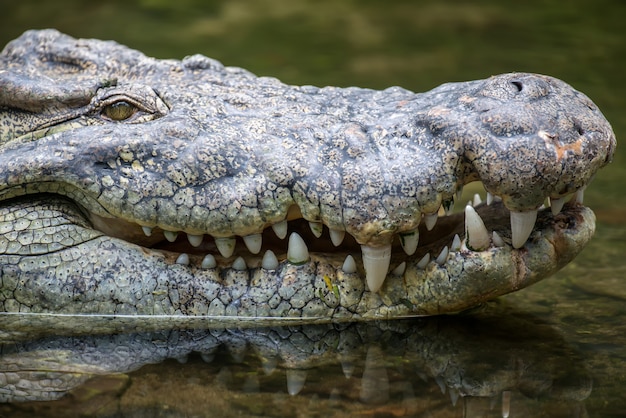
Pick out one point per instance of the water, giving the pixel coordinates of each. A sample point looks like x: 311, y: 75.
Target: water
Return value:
x: 557, y: 349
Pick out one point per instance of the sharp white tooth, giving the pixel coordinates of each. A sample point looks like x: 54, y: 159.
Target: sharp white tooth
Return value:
x: 399, y: 271
x: 239, y: 264
x: 448, y: 206
x: 456, y: 243
x: 441, y: 383
x: 506, y: 403
x: 443, y: 256
x: 497, y: 239
x: 195, y: 240
x: 376, y: 264
x: 170, y: 235
x: 489, y: 198
x: 297, y: 251
x: 349, y: 265
x: 580, y: 194
x: 280, y: 229
x: 441, y: 211
x: 409, y: 241
x: 317, y: 228
x: 430, y: 220
x: 454, y: 395
x: 226, y: 246
x: 147, y: 230
x: 336, y: 236
x: 424, y: 261
x: 183, y: 259
x: 556, y: 205
x: 253, y: 243
x: 522, y: 224
x: 476, y: 235
x: 208, y: 262
x: 269, y: 262
x: 477, y: 200
x: 295, y: 380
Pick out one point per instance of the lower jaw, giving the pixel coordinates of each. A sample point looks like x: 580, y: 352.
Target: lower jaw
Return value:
x: 107, y: 276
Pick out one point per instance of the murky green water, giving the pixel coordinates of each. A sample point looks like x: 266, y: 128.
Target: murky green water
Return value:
x: 557, y: 349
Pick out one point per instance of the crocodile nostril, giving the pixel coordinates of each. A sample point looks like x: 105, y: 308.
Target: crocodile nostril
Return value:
x: 518, y: 85
x: 579, y: 128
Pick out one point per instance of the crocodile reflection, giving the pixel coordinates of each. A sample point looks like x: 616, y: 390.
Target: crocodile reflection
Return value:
x: 483, y: 364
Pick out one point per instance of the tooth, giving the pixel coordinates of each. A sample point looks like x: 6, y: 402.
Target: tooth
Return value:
x: 443, y: 256
x: 375, y: 384
x: 409, y: 241
x: 280, y: 229
x: 441, y: 383
x: 399, y: 271
x: 195, y: 240
x: 376, y: 263
x: 448, y: 206
x: 226, y: 246
x: 441, y: 211
x: 147, y: 230
x: 497, y: 239
x: 556, y: 205
x: 506, y: 403
x: 580, y: 194
x: 336, y: 236
x: 489, y: 198
x: 183, y: 259
x: 170, y: 235
x: 295, y: 380
x: 207, y: 357
x: 349, y: 265
x: 454, y: 396
x: 477, y: 200
x: 253, y: 243
x: 208, y: 262
x: 430, y: 220
x: 317, y: 228
x: 459, y: 193
x: 297, y: 252
x: 424, y: 261
x: 239, y: 264
x: 269, y: 365
x: 347, y: 367
x: 456, y: 243
x: 476, y: 235
x: 522, y: 224
x: 269, y: 262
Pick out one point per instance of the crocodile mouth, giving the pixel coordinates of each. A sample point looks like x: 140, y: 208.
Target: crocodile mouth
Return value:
x: 482, y: 226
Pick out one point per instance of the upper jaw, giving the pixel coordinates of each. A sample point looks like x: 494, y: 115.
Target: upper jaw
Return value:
x: 436, y: 239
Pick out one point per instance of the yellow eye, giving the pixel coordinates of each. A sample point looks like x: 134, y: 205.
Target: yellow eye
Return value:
x: 119, y: 111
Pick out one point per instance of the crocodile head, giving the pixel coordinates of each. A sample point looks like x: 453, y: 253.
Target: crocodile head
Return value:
x: 143, y: 186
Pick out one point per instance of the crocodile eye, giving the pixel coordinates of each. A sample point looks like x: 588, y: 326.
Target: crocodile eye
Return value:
x: 119, y: 111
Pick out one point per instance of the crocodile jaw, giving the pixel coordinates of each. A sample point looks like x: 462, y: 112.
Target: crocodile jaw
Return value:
x: 98, y: 274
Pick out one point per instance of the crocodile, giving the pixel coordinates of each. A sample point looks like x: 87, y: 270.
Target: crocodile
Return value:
x: 131, y: 185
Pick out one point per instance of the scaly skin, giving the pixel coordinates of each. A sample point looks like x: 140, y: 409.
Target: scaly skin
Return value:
x: 97, y: 141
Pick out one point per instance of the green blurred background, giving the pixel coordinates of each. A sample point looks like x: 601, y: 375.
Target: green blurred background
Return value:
x: 418, y: 45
